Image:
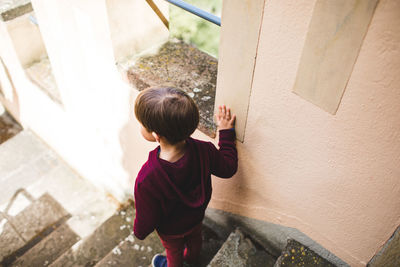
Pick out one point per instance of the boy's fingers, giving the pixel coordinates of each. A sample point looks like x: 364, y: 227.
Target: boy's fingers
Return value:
x: 233, y: 119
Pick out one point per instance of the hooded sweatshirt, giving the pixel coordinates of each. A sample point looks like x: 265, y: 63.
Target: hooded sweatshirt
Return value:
x: 172, y: 197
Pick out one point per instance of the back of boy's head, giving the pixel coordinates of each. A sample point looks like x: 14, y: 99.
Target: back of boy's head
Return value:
x: 168, y: 111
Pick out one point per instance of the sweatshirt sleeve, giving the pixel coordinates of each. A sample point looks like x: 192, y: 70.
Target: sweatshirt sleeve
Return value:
x: 148, y: 211
x: 224, y: 161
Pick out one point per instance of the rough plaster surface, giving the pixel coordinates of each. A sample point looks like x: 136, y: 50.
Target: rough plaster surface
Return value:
x: 334, y: 178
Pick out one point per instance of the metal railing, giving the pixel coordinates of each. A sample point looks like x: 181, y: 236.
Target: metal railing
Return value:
x: 188, y: 7
x: 196, y: 11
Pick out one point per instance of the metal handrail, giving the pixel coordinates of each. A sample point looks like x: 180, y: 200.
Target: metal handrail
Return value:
x: 158, y: 12
x: 196, y: 11
x: 33, y: 20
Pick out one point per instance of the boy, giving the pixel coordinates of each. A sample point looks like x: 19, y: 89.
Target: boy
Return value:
x: 173, y: 188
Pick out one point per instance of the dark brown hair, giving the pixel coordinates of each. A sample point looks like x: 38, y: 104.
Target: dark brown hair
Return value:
x: 167, y: 111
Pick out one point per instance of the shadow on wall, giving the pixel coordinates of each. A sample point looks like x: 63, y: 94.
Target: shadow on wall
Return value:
x: 129, y: 138
x: 134, y: 148
x: 10, y: 97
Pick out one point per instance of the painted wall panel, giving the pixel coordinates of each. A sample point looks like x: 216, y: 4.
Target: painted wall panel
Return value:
x: 332, y: 45
x: 241, y: 22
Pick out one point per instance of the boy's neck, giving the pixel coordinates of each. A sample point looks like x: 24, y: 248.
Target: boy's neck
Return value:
x: 172, y: 153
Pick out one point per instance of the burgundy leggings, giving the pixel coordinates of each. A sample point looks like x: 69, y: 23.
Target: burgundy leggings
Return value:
x: 184, y: 247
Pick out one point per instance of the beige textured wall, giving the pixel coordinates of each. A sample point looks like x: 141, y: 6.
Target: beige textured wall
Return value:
x: 334, y: 177
x: 134, y: 26
x: 27, y: 40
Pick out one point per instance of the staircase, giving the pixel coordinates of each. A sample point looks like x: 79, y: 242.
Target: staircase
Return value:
x: 39, y: 235
x: 55, y: 218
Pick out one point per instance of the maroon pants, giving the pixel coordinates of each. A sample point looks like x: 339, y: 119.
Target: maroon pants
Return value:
x: 185, y: 247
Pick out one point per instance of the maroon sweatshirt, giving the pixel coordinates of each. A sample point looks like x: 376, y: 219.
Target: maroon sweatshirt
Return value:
x: 172, y: 197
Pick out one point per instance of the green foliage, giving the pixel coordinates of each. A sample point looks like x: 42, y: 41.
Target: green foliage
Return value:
x: 194, y: 30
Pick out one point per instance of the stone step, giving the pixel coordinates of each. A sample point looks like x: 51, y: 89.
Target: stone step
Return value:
x: 24, y: 159
x: 41, y: 214
x: 296, y: 254
x: 91, y: 250
x: 8, y: 126
x: 239, y: 251
x: 212, y: 242
x: 27, y: 162
x: 133, y: 252
x: 10, y: 240
x: 49, y: 249
x: 29, y: 226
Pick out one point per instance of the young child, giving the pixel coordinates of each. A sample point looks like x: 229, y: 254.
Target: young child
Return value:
x: 173, y: 188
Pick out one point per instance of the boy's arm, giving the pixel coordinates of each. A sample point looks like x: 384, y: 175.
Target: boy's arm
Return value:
x: 224, y: 161
x: 147, y: 212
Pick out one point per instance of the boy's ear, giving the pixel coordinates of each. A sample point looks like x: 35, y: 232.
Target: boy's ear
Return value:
x: 156, y: 136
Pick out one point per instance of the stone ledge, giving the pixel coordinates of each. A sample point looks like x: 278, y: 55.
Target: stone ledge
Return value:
x: 296, y: 254
x: 389, y: 255
x: 11, y: 9
x: 238, y: 250
x: 180, y: 65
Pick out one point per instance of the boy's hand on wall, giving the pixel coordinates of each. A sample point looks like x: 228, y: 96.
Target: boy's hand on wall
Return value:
x: 224, y: 119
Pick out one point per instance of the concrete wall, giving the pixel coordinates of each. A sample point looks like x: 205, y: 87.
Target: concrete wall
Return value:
x: 86, y: 130
x: 134, y: 26
x: 333, y: 177
x: 27, y: 39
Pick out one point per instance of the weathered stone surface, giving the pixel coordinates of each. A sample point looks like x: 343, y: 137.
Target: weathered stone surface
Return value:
x: 389, y: 256
x: 211, y: 244
x: 8, y: 126
x: 88, y: 206
x: 10, y: 241
x: 240, y: 251
x: 11, y: 9
x: 49, y: 249
x: 133, y: 252
x: 23, y: 160
x: 92, y: 249
x: 272, y: 237
x: 183, y: 66
x: 296, y: 254
x: 41, y: 214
